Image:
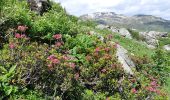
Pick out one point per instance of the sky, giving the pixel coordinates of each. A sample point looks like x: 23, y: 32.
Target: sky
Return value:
x: 159, y: 8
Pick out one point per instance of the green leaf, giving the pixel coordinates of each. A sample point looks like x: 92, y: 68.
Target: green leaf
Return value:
x: 8, y: 90
x: 12, y: 69
x: 3, y: 70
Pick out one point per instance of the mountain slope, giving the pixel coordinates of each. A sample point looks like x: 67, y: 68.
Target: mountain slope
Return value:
x: 140, y: 22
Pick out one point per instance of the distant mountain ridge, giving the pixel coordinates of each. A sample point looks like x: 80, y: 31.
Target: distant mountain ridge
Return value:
x: 140, y: 22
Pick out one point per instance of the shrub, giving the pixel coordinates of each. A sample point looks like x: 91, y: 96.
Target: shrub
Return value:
x: 135, y: 35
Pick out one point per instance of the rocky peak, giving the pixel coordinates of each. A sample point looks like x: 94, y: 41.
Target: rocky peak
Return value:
x: 140, y: 22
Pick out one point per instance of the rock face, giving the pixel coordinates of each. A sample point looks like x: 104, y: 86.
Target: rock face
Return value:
x: 122, y: 31
x: 123, y: 58
x: 39, y: 6
x: 167, y: 47
x: 151, y: 38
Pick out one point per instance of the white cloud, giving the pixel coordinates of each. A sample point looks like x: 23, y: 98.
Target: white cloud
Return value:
x: 159, y: 8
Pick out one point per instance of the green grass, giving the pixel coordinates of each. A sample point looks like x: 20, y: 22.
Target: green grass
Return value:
x: 133, y: 46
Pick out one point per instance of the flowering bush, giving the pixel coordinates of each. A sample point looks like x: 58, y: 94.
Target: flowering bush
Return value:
x: 71, y: 65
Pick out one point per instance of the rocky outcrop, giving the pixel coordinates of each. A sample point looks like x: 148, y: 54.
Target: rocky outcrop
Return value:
x: 97, y: 34
x: 122, y: 31
x: 167, y: 47
x: 121, y: 53
x: 39, y: 6
x: 124, y: 59
x: 151, y: 38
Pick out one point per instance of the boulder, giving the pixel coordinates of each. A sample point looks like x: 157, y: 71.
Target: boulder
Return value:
x: 151, y: 38
x: 97, y: 34
x: 124, y: 59
x: 39, y: 6
x: 101, y: 26
x: 122, y: 31
x: 167, y: 47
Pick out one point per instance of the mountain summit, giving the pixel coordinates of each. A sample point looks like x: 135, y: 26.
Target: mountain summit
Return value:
x: 140, y: 21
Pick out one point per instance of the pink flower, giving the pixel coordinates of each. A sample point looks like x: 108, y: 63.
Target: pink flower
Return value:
x: 76, y: 76
x: 57, y: 36
x: 23, y: 36
x: 151, y: 89
x: 133, y: 80
x: 11, y: 45
x: 133, y: 90
x: 103, y: 70
x: 72, y: 65
x: 116, y: 44
x: 65, y: 57
x: 107, y: 49
x: 17, y: 35
x: 97, y: 49
x: 22, y: 28
x: 153, y: 83
x: 110, y: 36
x: 53, y: 59
x: 88, y: 57
x: 58, y: 44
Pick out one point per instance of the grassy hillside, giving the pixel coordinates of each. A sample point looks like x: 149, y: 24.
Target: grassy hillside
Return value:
x: 55, y: 56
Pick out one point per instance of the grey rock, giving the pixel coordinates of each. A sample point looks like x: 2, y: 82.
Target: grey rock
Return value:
x: 122, y: 55
x: 151, y: 38
x: 122, y: 31
x: 124, y: 59
x: 167, y: 47
x: 39, y: 6
x: 101, y: 26
x: 139, y: 22
x: 98, y: 35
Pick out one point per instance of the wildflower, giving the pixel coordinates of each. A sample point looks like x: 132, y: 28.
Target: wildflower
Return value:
x: 53, y: 59
x: 88, y: 58
x: 72, y: 65
x: 158, y: 92
x: 50, y: 66
x: 58, y: 44
x: 11, y: 45
x: 23, y: 36
x: 116, y: 44
x: 110, y: 36
x: 151, y: 89
x: 97, y: 49
x: 133, y: 80
x: 22, y: 28
x: 133, y: 90
x: 107, y: 56
x: 76, y: 76
x: 153, y: 83
x: 57, y: 36
x: 17, y: 35
x: 103, y: 70
x: 107, y: 49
